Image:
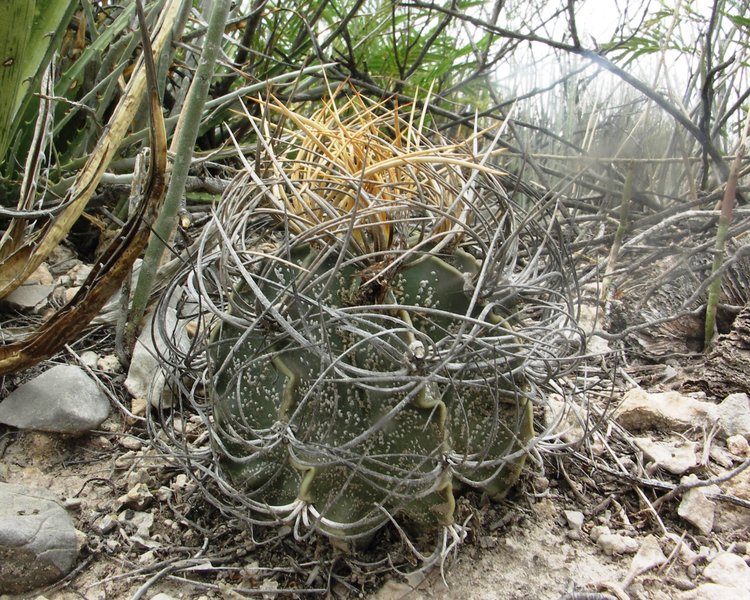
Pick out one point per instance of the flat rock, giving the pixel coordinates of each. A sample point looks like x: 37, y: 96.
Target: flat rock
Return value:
x: 665, y: 411
x: 565, y: 419
x: 730, y: 517
x: 37, y: 539
x: 146, y: 378
x: 29, y: 296
x: 696, y: 508
x: 715, y: 591
x: 734, y: 415
x: 613, y: 544
x: 649, y: 556
x: 63, y: 399
x: 674, y: 456
x: 730, y: 570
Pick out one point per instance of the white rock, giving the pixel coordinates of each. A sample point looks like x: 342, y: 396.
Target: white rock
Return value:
x: 614, y: 543
x: 714, y: 591
x: 734, y: 415
x: 729, y: 569
x: 674, y: 456
x: 738, y: 445
x: 574, y: 519
x: 728, y: 516
x: 564, y: 419
x: 649, y: 556
x: 42, y: 275
x: 146, y: 378
x: 109, y: 364
x: 667, y: 411
x: 597, y: 531
x: 29, y: 296
x: 695, y: 508
x: 89, y: 359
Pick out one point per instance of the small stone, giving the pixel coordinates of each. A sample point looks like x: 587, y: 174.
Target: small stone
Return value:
x: 70, y: 293
x: 738, y: 445
x: 105, y: 524
x: 730, y: 517
x: 109, y: 364
x: 163, y: 596
x: 574, y: 519
x: 42, y: 275
x: 728, y: 569
x: 138, y: 406
x: 714, y: 591
x: 695, y: 508
x: 613, y: 544
x: 29, y: 297
x: 79, y: 273
x: 734, y: 415
x: 163, y: 494
x: 720, y: 456
x: 63, y: 399
x: 130, y: 442
x: 564, y: 419
x: 666, y: 411
x: 597, y: 531
x: 61, y: 260
x: 137, y: 497
x: 89, y: 359
x: 648, y: 557
x: 674, y: 456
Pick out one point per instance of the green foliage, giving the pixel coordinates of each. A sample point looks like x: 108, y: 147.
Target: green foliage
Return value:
x: 31, y: 31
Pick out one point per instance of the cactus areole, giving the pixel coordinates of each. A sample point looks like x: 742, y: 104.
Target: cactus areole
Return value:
x: 365, y: 370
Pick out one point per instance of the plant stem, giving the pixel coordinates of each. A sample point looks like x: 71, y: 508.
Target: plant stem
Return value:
x: 182, y: 147
x: 725, y: 219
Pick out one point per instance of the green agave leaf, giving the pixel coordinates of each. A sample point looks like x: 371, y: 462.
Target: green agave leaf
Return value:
x: 30, y: 34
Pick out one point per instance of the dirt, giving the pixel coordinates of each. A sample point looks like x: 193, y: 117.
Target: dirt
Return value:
x: 522, y: 548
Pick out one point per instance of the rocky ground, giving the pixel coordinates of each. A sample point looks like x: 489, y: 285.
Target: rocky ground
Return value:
x: 641, y: 492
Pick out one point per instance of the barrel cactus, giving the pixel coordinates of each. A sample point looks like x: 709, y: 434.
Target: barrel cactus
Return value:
x: 373, y: 350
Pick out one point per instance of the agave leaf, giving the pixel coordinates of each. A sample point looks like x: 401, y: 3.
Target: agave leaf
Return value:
x: 107, y: 275
x: 17, y: 267
x: 15, y: 31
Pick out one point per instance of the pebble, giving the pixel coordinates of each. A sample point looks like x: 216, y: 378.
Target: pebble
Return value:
x: 738, y: 445
x: 649, y: 556
x: 130, y: 442
x: 613, y: 544
x: 665, y: 411
x: 677, y: 457
x: 730, y: 570
x: 29, y: 297
x: 137, y: 497
x: 105, y: 524
x: 109, y: 364
x: 574, y: 519
x: 89, y: 359
x: 63, y: 399
x: 734, y: 415
x: 695, y: 508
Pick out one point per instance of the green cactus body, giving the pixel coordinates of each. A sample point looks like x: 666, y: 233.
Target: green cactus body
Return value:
x: 364, y: 399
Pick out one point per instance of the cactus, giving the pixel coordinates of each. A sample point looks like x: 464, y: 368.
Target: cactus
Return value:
x: 363, y: 418
x: 372, y: 351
